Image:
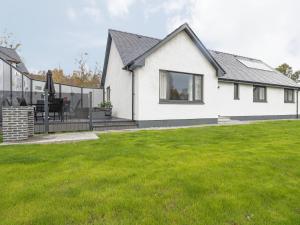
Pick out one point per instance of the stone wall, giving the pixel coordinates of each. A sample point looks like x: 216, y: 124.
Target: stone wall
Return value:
x: 17, y: 123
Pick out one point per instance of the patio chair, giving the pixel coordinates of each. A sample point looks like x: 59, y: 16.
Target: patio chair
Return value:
x: 39, y: 109
x: 66, y: 109
x: 22, y: 101
x: 56, y: 106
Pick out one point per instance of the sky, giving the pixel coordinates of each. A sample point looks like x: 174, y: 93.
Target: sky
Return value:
x: 54, y: 33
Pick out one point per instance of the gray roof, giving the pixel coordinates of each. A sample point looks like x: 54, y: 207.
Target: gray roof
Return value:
x: 10, y: 55
x: 237, y: 71
x: 132, y: 47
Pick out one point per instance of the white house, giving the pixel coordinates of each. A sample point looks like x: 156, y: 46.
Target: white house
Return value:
x: 177, y: 81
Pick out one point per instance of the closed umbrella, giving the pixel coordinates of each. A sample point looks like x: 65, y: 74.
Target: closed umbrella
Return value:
x: 50, y: 86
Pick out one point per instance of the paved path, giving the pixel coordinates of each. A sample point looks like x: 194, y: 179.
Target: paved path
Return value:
x: 58, y: 138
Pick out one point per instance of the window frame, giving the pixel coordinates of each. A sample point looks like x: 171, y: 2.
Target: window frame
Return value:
x: 108, y: 94
x: 286, y: 90
x: 238, y: 91
x: 193, y: 102
x: 265, y: 94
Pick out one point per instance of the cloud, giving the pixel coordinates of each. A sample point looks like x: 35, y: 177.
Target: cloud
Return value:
x: 119, y: 8
x: 90, y: 10
x: 266, y: 29
x: 71, y: 14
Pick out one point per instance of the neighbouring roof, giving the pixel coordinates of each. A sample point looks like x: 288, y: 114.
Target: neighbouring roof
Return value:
x: 133, y: 49
x: 10, y: 55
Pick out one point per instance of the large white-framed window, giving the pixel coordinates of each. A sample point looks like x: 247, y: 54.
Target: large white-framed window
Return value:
x: 259, y: 93
x: 180, y: 87
x: 289, y: 96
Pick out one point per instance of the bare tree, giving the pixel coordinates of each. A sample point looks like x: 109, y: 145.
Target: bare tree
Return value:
x: 84, y: 75
x: 7, y: 40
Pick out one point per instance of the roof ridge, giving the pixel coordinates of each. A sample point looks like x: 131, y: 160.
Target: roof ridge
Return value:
x: 235, y: 55
x: 134, y: 34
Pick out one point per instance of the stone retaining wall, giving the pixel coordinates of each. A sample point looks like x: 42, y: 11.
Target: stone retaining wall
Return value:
x: 17, y: 123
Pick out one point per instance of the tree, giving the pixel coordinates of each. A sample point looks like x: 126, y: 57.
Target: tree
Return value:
x: 7, y: 40
x: 58, y: 75
x: 285, y: 69
x: 82, y: 76
x: 296, y: 75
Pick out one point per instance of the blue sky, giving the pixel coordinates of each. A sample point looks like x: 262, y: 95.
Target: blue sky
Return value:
x: 54, y: 33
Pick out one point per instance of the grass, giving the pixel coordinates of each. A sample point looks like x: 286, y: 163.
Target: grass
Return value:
x: 229, y: 175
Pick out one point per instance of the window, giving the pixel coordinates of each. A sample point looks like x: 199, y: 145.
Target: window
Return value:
x: 255, y: 64
x: 289, y: 96
x: 38, y: 88
x: 259, y: 94
x: 178, y: 87
x: 236, y: 91
x: 108, y: 94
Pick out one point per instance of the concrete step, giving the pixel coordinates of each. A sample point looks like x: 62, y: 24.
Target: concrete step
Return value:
x: 225, y: 120
x: 114, y: 125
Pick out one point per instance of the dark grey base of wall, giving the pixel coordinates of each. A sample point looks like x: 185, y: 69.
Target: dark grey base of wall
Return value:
x: 174, y: 123
x: 264, y: 117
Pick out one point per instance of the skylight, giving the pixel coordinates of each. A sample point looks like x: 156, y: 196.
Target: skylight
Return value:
x: 255, y: 64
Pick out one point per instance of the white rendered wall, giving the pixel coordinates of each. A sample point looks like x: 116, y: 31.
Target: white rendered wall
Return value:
x: 246, y: 107
x: 16, y: 80
x: 179, y: 54
x: 119, y: 82
x: 38, y: 86
x: 26, y: 84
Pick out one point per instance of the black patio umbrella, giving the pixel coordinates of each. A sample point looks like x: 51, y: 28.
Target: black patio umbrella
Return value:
x: 50, y: 86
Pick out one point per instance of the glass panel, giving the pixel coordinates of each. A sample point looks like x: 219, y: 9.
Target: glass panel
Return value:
x: 236, y: 91
x: 289, y: 95
x: 198, y: 88
x: 255, y: 94
x: 255, y: 64
x: 163, y: 83
x: 181, y: 87
x: 16, y: 87
x: 261, y: 93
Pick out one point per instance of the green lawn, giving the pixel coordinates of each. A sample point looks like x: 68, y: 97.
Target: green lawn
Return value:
x: 229, y: 175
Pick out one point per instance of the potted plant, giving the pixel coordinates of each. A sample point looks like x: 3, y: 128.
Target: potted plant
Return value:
x: 107, y: 107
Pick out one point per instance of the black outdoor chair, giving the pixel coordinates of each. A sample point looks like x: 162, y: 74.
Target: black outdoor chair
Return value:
x: 6, y: 102
x: 67, y: 109
x: 56, y: 106
x: 39, y: 109
x: 22, y: 101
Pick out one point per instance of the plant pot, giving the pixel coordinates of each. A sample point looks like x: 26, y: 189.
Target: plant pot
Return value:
x: 108, y: 112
